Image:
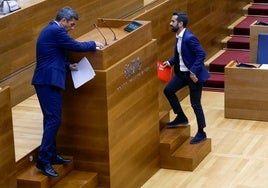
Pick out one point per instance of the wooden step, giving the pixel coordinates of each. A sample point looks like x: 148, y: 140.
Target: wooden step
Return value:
x: 211, y: 59
x: 33, y: 178
x: 236, y: 42
x: 78, y: 179
x: 232, y: 26
x: 245, y: 8
x: 216, y: 80
x: 188, y: 156
x: 164, y: 117
x: 171, y: 139
x: 225, y: 41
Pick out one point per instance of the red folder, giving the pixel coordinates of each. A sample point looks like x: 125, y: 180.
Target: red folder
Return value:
x: 163, y: 73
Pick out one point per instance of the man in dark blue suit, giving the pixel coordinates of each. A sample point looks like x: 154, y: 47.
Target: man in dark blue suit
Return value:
x: 189, y: 69
x: 49, y: 80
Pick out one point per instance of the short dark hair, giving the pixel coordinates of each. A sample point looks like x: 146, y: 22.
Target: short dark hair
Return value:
x: 68, y: 13
x: 182, y: 17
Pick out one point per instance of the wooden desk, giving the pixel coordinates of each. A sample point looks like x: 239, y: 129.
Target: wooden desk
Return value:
x: 246, y: 93
x: 255, y: 30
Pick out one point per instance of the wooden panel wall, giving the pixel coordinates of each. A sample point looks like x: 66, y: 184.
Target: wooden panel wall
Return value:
x: 7, y: 150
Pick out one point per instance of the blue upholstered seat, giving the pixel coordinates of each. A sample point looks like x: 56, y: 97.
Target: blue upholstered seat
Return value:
x: 262, y: 52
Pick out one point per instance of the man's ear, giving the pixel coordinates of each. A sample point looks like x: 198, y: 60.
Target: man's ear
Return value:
x: 63, y: 20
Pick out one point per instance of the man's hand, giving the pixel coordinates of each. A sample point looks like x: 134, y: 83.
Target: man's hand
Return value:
x: 193, y: 77
x: 166, y: 63
x: 99, y: 45
x: 73, y: 67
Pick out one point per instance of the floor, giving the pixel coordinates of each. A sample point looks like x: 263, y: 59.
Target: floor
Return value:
x: 239, y: 157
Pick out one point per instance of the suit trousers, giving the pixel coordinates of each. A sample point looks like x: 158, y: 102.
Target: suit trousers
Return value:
x: 50, y: 100
x: 179, y: 81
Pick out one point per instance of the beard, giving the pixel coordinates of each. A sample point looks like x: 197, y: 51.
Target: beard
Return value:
x: 174, y: 29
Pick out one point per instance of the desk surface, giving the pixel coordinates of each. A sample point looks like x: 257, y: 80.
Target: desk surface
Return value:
x: 247, y: 66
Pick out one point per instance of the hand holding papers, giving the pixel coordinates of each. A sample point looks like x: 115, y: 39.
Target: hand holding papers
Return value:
x: 84, y: 74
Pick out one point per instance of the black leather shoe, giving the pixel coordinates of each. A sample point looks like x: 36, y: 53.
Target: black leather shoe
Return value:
x: 47, y: 170
x: 199, y: 137
x: 60, y: 160
x: 178, y: 122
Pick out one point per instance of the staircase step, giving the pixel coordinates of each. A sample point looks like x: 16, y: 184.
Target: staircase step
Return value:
x: 33, y: 178
x: 171, y: 139
x: 243, y: 27
x: 245, y: 8
x: 238, y: 42
x: 216, y: 80
x: 258, y: 9
x: 213, y: 58
x: 236, y: 22
x: 164, y: 117
x: 188, y: 156
x: 218, y: 64
x: 78, y: 179
x: 224, y: 41
x: 260, y: 1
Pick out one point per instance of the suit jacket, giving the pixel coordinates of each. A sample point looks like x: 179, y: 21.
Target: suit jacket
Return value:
x: 51, y: 47
x: 193, y: 56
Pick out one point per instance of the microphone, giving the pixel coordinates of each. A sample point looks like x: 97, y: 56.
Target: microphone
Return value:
x: 95, y: 25
x: 104, y: 22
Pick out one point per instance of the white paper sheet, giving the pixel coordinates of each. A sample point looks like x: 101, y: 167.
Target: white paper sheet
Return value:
x: 264, y: 66
x: 84, y: 74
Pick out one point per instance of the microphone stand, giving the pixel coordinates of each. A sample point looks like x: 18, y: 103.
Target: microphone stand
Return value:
x: 104, y: 22
x: 95, y: 25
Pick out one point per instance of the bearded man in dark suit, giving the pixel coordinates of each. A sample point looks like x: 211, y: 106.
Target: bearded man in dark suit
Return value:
x: 189, y: 69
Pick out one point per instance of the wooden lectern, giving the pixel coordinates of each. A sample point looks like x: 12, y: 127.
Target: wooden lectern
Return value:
x: 111, y: 123
x: 245, y: 92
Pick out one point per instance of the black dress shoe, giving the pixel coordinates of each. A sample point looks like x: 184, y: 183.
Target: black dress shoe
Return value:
x: 47, y: 170
x: 60, y: 160
x: 199, y: 137
x: 178, y: 122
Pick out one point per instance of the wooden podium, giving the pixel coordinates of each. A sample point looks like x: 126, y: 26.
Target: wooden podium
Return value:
x: 245, y: 93
x: 111, y: 123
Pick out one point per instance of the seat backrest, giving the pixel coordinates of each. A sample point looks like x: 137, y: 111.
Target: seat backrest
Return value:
x: 262, y: 52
